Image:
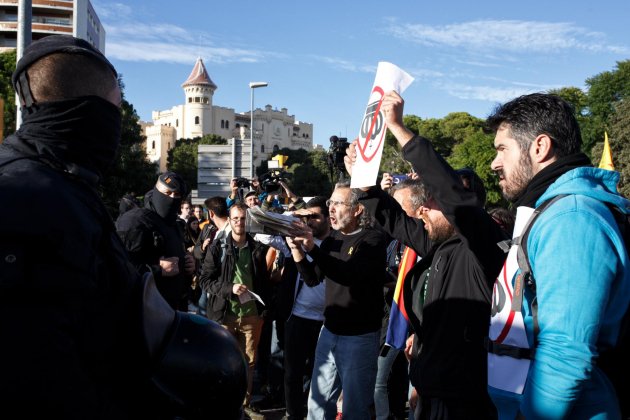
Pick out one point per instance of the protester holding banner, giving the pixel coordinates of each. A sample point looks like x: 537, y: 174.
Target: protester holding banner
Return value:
x: 447, y: 294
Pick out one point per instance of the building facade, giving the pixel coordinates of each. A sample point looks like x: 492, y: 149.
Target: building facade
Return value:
x: 53, y: 17
x: 198, y: 116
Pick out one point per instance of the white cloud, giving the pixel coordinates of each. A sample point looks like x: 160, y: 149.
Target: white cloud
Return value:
x: 505, y: 35
x: 131, y: 40
x: 346, y: 65
x: 112, y: 10
x: 486, y: 93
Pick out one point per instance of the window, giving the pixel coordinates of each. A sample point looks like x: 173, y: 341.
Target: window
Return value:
x: 153, y: 145
x: 197, y: 99
x: 189, y: 100
x: 197, y: 120
x: 238, y: 125
x: 205, y: 100
x: 176, y: 123
x: 262, y: 148
x: 227, y: 124
x: 168, y: 147
x: 222, y: 124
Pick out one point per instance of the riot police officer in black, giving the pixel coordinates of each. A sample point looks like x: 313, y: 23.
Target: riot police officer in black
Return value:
x: 155, y: 242
x: 94, y: 340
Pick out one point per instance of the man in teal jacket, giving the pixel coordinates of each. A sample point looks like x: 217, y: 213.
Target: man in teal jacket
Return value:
x: 578, y: 260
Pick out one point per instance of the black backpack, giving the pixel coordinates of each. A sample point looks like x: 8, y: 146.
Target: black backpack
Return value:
x: 613, y: 362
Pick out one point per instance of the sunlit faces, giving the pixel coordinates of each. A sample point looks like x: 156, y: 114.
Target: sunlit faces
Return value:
x: 512, y: 165
x: 185, y: 210
x: 237, y: 220
x: 198, y: 212
x: 251, y: 201
x: 343, y: 216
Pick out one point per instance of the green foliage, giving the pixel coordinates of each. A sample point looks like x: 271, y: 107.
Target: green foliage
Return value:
x: 579, y: 100
x: 311, y: 177
x: 131, y: 171
x: 309, y: 171
x: 183, y: 157
x: 7, y: 66
x: 604, y: 91
x: 619, y: 140
x: 476, y: 153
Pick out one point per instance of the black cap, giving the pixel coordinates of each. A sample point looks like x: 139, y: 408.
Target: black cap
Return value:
x: 173, y: 182
x: 50, y: 45
x: 250, y: 193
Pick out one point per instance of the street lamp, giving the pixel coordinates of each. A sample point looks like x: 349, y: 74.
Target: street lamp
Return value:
x: 252, y: 86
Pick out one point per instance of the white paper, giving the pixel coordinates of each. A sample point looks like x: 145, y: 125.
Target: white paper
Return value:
x: 249, y: 295
x: 505, y: 372
x: 373, y: 127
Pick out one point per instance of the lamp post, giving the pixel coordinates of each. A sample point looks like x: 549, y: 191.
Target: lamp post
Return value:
x: 252, y: 86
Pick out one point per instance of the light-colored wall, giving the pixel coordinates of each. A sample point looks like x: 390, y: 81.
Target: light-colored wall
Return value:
x: 272, y: 127
x: 160, y: 139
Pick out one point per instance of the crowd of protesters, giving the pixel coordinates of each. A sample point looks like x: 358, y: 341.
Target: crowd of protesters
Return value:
x: 387, y: 302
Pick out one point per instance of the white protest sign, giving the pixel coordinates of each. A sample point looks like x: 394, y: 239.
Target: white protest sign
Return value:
x: 373, y: 128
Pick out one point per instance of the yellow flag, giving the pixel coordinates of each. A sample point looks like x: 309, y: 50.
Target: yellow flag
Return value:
x: 606, y: 162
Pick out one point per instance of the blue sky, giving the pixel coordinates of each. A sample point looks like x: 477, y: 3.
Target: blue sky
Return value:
x: 320, y: 57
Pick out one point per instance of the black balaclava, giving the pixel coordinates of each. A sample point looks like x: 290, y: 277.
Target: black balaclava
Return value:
x: 78, y: 135
x: 164, y: 205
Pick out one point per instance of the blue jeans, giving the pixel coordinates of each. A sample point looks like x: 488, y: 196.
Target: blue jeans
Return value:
x: 348, y: 363
x: 381, y: 396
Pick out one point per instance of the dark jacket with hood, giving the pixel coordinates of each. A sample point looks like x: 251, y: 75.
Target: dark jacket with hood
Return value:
x: 217, y: 275
x: 69, y: 301
x: 150, y: 237
x: 451, y: 325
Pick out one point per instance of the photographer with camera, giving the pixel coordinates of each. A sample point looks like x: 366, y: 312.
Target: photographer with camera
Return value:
x: 273, y: 198
x: 237, y: 187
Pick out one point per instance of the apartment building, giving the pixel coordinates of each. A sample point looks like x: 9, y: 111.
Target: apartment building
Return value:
x: 53, y: 17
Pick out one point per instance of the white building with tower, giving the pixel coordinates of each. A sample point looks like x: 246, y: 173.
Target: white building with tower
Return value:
x: 198, y: 116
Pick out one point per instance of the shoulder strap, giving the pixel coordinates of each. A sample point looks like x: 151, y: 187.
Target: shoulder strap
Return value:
x: 522, y: 257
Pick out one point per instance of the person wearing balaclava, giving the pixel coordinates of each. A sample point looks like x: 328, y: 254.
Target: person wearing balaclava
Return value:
x: 95, y: 339
x: 154, y: 241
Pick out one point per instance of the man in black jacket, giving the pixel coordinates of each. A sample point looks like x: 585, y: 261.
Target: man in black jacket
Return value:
x: 234, y: 267
x: 352, y: 262
x: 155, y: 242
x: 448, y: 293
x: 97, y: 340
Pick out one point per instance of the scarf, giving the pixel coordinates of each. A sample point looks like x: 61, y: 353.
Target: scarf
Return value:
x: 79, y: 135
x: 547, y: 176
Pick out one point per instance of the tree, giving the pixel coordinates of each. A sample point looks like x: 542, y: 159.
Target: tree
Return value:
x: 619, y: 139
x: 183, y: 157
x: 311, y: 177
x: 476, y: 153
x: 604, y: 91
x: 308, y: 171
x: 392, y: 160
x: 7, y: 67
x: 131, y: 172
x: 579, y: 101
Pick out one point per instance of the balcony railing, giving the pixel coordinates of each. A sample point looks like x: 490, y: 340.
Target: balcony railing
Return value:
x: 67, y: 4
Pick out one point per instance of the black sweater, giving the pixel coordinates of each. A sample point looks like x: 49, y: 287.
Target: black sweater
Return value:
x: 452, y: 324
x: 354, y: 266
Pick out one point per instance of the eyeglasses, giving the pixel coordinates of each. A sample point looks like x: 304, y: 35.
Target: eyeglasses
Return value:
x: 238, y: 219
x: 337, y: 203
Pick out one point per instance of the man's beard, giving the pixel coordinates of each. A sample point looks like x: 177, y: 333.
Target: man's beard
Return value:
x: 441, y: 230
x: 520, y: 177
